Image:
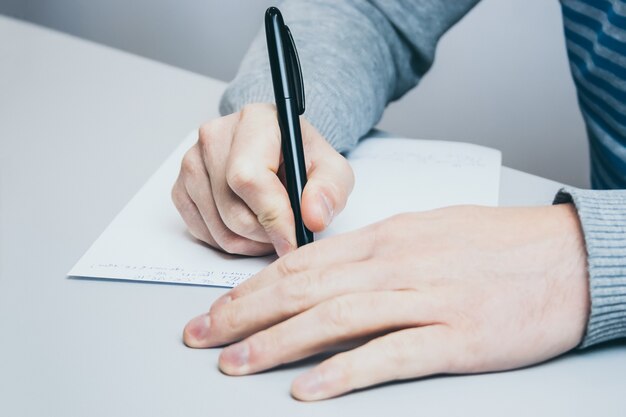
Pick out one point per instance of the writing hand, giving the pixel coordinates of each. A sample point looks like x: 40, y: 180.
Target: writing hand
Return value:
x: 229, y: 190
x: 456, y: 290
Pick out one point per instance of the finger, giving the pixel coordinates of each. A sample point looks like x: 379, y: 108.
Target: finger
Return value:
x: 327, y: 324
x: 233, y: 320
x: 199, y: 189
x: 330, y: 181
x: 191, y: 215
x: 251, y: 174
x: 215, y: 144
x: 404, y: 354
x: 349, y: 247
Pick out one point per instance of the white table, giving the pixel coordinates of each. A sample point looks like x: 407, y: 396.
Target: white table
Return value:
x: 82, y: 126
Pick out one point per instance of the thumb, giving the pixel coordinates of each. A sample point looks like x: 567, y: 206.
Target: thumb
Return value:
x: 330, y: 182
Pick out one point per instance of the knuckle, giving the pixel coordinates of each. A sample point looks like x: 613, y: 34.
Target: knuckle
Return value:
x: 369, y: 237
x: 201, y: 234
x: 197, y: 234
x: 274, y: 213
x: 330, y: 275
x: 213, y: 134
x: 225, y: 319
x: 189, y: 166
x: 396, y: 351
x: 206, y: 133
x: 241, y: 221
x: 263, y: 345
x: 241, y: 178
x: 295, y: 292
x: 380, y: 235
x: 234, y: 245
x: 211, y: 242
x: 269, y: 217
x: 390, y: 231
x: 339, y: 312
x: 290, y: 264
x: 341, y: 371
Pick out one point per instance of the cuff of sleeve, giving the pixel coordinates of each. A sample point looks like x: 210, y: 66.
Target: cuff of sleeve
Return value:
x: 603, y: 218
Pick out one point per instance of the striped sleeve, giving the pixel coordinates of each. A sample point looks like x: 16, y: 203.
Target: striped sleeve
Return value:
x: 595, y: 33
x: 603, y: 218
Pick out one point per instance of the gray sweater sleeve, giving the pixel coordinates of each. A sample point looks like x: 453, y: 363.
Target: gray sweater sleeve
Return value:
x: 356, y: 56
x: 602, y: 215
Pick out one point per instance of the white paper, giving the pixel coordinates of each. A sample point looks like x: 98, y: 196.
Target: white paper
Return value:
x: 148, y: 241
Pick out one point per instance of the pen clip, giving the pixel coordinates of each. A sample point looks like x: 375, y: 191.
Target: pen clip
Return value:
x: 296, y: 71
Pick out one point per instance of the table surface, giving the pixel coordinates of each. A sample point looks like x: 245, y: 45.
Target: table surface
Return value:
x: 82, y: 127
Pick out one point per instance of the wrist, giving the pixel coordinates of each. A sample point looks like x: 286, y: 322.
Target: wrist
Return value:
x: 573, y: 268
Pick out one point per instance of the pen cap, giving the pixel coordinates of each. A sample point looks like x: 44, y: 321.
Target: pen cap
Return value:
x: 284, y: 62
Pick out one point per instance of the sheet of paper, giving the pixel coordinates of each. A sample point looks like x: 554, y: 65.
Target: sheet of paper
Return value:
x: 147, y: 241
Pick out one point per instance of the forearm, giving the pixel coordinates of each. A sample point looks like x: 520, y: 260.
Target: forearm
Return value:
x: 356, y: 56
x: 603, y: 218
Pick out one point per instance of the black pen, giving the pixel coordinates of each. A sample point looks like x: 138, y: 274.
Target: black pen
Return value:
x: 289, y: 94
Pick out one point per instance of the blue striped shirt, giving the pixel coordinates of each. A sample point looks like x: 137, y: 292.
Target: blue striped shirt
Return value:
x: 595, y: 32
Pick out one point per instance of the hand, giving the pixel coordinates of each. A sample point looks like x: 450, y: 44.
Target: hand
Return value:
x: 229, y: 192
x: 456, y: 290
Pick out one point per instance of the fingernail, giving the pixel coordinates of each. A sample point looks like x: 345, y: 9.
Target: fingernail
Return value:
x: 198, y: 328
x: 235, y: 358
x: 309, y: 385
x: 327, y: 210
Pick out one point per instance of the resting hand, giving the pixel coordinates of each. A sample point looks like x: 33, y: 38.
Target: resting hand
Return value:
x: 456, y: 290
x: 229, y: 192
